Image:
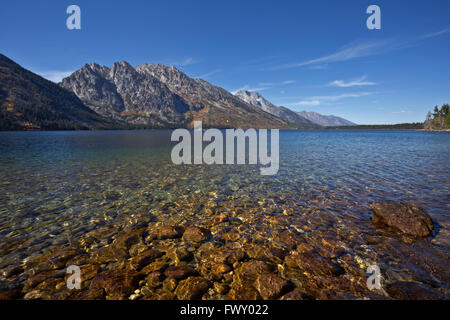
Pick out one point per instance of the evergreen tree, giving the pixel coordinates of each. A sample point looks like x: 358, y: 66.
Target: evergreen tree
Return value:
x: 439, y: 119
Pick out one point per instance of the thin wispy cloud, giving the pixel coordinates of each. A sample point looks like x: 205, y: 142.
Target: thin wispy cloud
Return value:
x: 344, y: 54
x: 206, y: 75
x: 54, y: 75
x: 183, y: 63
x: 343, y: 96
x: 436, y: 34
x: 362, y: 49
x: 264, y: 86
x: 400, y: 112
x: 310, y: 103
x: 318, y: 100
x: 248, y: 88
x: 272, y: 84
x: 352, y: 83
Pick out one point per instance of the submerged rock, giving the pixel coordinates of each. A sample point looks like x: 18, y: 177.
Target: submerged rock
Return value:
x: 161, y: 295
x: 313, y: 263
x: 154, y: 279
x: 405, y: 290
x: 213, y: 271
x: 145, y: 258
x: 169, y: 284
x: 296, y: 294
x: 227, y: 255
x: 178, y: 254
x: 250, y: 270
x: 129, y: 238
x: 193, y: 288
x: 116, y: 283
x: 165, y: 232
x: 289, y: 239
x: 33, y: 295
x: 407, y: 218
x: 108, y: 254
x: 43, y: 278
x: 158, y: 265
x: 90, y: 294
x: 243, y: 293
x: 220, y: 288
x: 271, y: 286
x: 178, y: 272
x: 10, y: 291
x: 196, y: 234
x: 11, y: 271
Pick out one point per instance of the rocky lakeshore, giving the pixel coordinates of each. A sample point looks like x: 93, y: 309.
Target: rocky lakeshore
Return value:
x: 223, y: 260
x: 140, y: 227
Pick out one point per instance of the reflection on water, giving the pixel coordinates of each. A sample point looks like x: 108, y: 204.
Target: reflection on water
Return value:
x: 57, y: 186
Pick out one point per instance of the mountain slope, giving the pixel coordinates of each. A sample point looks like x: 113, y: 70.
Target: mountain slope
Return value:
x: 254, y: 98
x: 30, y: 102
x: 162, y: 96
x: 121, y: 92
x: 326, y: 121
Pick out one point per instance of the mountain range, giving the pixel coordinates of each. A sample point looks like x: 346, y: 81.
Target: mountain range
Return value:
x: 302, y: 118
x: 254, y: 98
x: 162, y: 96
x: 123, y: 96
x: 326, y: 121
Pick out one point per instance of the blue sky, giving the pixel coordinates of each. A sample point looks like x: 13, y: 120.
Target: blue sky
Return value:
x: 306, y: 55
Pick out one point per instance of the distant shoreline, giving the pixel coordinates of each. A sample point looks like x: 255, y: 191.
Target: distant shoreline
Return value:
x: 435, y: 130
x: 350, y: 128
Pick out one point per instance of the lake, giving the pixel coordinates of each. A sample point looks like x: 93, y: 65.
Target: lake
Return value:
x: 58, y: 189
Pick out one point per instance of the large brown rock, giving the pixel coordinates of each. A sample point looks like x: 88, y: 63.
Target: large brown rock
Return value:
x: 128, y: 238
x: 193, y: 288
x: 178, y: 272
x: 116, y: 283
x: 196, y: 234
x: 243, y: 293
x: 213, y: 271
x: 227, y: 255
x: 408, y: 218
x: 145, y: 258
x: 158, y: 265
x: 108, y: 254
x: 165, y: 232
x: 250, y: 270
x: 154, y: 279
x: 313, y: 263
x: 271, y: 286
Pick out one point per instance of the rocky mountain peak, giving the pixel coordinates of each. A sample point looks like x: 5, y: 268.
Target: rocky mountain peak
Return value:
x: 122, y: 70
x: 167, y: 74
x: 325, y: 120
x: 256, y: 99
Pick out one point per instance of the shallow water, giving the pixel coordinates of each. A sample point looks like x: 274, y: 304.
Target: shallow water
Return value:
x: 55, y: 187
